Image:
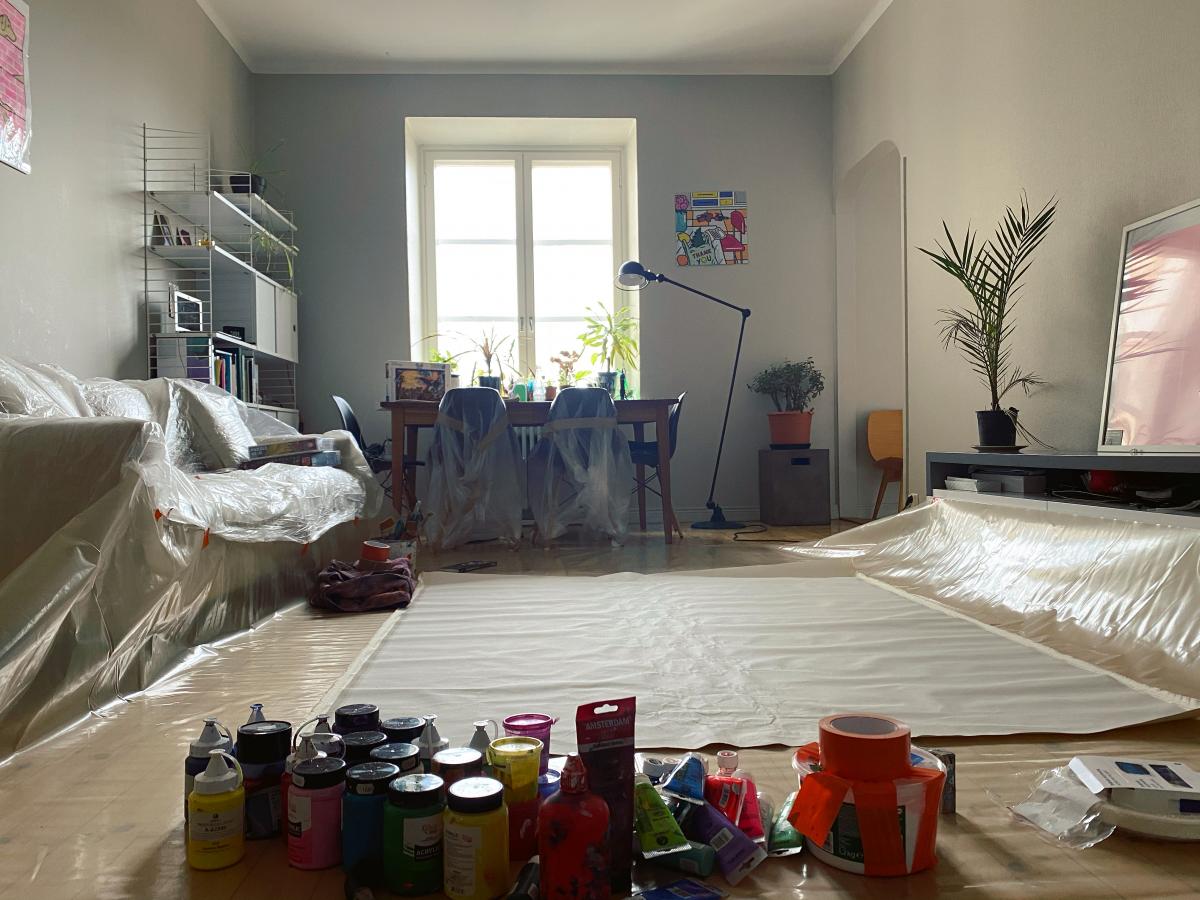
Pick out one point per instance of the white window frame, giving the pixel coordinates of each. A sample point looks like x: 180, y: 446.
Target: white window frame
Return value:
x: 523, y: 157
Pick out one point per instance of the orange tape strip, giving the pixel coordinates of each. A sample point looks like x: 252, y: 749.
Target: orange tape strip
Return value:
x: 879, y: 827
x: 817, y: 805
x: 935, y: 782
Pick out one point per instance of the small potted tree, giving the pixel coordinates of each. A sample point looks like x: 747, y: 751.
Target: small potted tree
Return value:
x: 792, y: 387
x: 613, y: 337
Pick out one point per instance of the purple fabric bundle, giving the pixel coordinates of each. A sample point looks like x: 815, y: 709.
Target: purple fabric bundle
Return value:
x: 342, y: 587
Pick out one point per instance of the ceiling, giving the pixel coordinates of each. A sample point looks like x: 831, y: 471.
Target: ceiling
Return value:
x: 719, y: 37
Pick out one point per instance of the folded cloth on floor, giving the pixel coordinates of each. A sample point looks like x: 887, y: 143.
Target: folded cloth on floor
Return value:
x: 343, y: 588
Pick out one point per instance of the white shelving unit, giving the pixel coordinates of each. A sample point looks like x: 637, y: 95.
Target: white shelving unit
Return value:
x: 1074, y: 508
x: 220, y: 302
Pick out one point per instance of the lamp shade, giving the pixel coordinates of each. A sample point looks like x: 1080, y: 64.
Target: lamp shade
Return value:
x: 632, y: 275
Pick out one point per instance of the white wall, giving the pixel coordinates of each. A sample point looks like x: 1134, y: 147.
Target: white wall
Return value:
x: 767, y: 135
x: 1090, y: 100
x: 70, y: 232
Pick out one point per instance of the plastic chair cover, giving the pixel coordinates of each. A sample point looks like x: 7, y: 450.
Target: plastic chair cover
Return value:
x: 476, y: 479
x: 580, y: 471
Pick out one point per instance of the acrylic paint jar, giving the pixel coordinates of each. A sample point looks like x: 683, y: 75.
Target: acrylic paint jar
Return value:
x: 457, y: 763
x: 412, y: 835
x: 213, y: 736
x: 262, y: 750
x: 315, y: 813
x: 476, y: 840
x: 355, y: 717
x: 217, y: 814
x: 362, y: 815
x: 403, y: 729
x: 359, y: 745
x: 514, y: 762
x: 406, y: 756
x: 534, y: 725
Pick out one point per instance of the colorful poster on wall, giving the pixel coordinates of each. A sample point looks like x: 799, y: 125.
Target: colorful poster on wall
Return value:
x: 14, y: 84
x: 711, y: 228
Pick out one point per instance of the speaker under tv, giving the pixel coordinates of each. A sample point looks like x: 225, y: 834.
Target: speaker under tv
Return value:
x: 1152, y: 392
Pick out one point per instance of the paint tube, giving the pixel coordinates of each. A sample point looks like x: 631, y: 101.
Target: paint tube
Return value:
x: 686, y: 781
x: 785, y: 840
x: 683, y: 888
x: 698, y: 859
x: 657, y: 831
x: 736, y: 853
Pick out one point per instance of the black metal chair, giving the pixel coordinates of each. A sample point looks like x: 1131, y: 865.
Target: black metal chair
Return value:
x: 379, y: 456
x: 645, y: 453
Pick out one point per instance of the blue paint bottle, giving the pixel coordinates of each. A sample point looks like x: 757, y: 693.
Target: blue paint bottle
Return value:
x: 362, y: 817
x: 214, y: 736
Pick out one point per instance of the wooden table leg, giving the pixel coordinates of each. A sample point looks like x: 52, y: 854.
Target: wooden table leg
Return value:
x: 639, y: 435
x: 662, y: 434
x: 398, y: 485
x: 410, y: 483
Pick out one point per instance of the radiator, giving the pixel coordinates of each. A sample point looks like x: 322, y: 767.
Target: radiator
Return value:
x: 527, y: 438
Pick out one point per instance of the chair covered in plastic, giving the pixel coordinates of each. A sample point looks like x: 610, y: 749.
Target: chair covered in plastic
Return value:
x: 476, y: 480
x: 580, y: 470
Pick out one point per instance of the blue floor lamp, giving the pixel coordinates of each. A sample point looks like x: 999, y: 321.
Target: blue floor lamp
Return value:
x: 633, y: 276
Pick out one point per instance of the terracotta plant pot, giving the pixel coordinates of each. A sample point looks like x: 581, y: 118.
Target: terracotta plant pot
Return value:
x: 791, y: 428
x: 551, y: 391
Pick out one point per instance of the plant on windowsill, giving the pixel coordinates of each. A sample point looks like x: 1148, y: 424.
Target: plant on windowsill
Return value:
x: 792, y: 387
x: 991, y: 272
x: 487, y: 345
x: 613, y: 337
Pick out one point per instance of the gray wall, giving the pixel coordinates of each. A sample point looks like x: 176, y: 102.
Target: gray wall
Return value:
x: 70, y: 233
x: 1090, y: 100
x: 767, y: 135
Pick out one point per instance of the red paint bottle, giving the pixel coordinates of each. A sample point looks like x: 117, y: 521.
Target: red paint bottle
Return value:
x: 573, y: 839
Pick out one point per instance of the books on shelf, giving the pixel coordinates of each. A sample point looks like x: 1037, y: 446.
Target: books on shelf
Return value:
x: 309, y: 458
x: 289, y: 446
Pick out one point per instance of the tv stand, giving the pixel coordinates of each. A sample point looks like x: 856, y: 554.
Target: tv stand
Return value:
x: 1064, y: 472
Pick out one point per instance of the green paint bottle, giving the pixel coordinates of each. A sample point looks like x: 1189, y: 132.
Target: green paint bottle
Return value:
x: 412, y: 835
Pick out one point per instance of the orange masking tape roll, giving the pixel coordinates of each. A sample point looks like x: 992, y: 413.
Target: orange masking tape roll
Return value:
x: 865, y: 747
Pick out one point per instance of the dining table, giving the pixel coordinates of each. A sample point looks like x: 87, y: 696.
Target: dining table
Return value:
x: 408, y: 416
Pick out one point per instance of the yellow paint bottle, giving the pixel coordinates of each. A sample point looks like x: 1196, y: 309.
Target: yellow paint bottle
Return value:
x: 475, y: 840
x: 217, y: 814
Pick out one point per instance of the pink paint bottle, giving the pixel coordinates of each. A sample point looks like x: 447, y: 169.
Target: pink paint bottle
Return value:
x: 315, y: 813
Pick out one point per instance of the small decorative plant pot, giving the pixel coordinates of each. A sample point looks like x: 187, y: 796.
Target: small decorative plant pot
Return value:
x: 791, y: 428
x: 551, y: 391
x: 492, y: 381
x: 608, y: 381
x: 996, y: 428
x: 247, y: 184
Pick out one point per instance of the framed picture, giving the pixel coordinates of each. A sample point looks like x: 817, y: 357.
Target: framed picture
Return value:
x: 15, y: 103
x: 416, y: 380
x: 183, y: 238
x: 185, y: 312
x: 160, y: 234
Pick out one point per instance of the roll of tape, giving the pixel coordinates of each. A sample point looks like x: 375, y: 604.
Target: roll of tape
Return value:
x: 865, y: 747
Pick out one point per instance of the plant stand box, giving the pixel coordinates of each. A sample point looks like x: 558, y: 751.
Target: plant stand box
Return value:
x: 793, y: 487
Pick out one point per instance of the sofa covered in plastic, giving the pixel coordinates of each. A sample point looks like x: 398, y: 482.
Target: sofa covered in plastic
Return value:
x: 128, y: 536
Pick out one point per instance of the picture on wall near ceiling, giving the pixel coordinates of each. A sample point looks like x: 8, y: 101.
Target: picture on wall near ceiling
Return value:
x: 14, y: 84
x: 711, y: 228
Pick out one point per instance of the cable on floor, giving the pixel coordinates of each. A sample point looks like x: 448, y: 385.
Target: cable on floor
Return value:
x: 760, y: 528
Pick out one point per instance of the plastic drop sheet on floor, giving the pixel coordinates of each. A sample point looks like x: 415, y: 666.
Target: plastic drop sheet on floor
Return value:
x: 742, y: 661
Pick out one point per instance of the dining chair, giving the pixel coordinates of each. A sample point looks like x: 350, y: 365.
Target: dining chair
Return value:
x: 645, y: 453
x: 885, y: 443
x: 378, y: 456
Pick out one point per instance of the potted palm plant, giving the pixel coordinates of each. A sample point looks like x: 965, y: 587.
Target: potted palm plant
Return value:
x: 254, y: 179
x: 613, y: 337
x: 992, y: 273
x: 792, y: 387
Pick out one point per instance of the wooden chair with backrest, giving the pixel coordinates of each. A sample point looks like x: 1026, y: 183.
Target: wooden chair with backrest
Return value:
x: 644, y: 454
x: 885, y: 443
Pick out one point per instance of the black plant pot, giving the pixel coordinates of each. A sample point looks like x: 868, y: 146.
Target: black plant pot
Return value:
x: 608, y: 381
x: 996, y: 428
x: 248, y: 184
x: 492, y: 381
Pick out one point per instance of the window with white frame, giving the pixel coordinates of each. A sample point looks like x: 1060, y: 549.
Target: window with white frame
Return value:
x: 520, y: 246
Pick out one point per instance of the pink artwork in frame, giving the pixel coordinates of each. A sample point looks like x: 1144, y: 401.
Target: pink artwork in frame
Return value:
x: 14, y: 84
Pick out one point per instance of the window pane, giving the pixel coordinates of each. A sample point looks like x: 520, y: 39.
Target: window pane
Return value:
x: 572, y: 201
x: 475, y: 201
x: 568, y: 279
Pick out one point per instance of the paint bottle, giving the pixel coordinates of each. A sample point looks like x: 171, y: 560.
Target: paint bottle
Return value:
x: 362, y: 817
x: 359, y: 745
x: 412, y: 835
x: 726, y: 790
x: 213, y: 736
x: 430, y: 743
x: 750, y: 820
x: 406, y: 756
x: 315, y: 813
x: 324, y: 737
x: 476, y: 840
x: 306, y: 750
x: 514, y: 762
x: 262, y: 749
x: 355, y: 717
x: 217, y: 814
x: 457, y: 763
x: 403, y: 729
x: 573, y: 838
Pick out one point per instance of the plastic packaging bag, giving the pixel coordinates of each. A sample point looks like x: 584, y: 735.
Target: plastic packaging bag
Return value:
x: 1062, y: 810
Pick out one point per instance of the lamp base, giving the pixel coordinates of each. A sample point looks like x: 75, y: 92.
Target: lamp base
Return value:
x: 718, y: 522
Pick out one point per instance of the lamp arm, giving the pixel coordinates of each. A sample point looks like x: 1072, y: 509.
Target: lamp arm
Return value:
x: 728, y: 400
x: 745, y: 312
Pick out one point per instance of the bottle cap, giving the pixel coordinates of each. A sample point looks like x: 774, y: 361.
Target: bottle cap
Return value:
x: 359, y: 745
x: 264, y: 742
x: 406, y: 756
x: 370, y: 778
x: 457, y: 759
x: 356, y: 717
x: 375, y: 551
x: 413, y: 791
x: 256, y: 714
x: 475, y: 795
x: 574, y: 778
x: 312, y: 774
x: 727, y: 759
x: 213, y: 736
x: 405, y: 729
x: 430, y: 742
x: 219, y: 777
